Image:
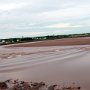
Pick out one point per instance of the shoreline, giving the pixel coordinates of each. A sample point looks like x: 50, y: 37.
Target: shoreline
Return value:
x: 51, y: 64
x: 57, y: 42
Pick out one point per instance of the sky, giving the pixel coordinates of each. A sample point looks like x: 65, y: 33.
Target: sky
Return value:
x: 29, y: 18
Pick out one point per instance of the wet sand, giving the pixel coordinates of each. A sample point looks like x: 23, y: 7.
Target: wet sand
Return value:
x: 51, y: 64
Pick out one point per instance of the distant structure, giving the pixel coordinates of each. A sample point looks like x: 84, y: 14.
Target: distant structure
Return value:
x: 31, y: 39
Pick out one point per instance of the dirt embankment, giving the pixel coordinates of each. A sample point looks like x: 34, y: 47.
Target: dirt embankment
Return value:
x: 22, y: 85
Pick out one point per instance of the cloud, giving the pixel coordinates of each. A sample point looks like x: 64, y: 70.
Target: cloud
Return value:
x: 30, y: 33
x: 74, y: 12
x: 51, y: 16
x: 11, y: 6
x: 22, y: 33
x: 63, y: 25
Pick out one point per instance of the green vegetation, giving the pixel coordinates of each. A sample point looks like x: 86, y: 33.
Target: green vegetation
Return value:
x: 31, y: 39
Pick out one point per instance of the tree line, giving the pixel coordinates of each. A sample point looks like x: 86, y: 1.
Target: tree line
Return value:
x: 31, y: 39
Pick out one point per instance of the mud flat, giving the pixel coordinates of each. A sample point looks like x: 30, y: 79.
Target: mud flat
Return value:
x: 51, y: 64
x: 57, y: 42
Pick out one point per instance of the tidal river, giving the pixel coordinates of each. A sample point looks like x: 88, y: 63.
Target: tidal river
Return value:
x: 52, y: 64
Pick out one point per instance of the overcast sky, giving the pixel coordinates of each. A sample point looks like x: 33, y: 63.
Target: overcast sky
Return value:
x: 43, y: 17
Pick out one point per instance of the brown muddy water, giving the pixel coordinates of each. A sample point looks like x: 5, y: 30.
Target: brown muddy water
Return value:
x: 52, y: 64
